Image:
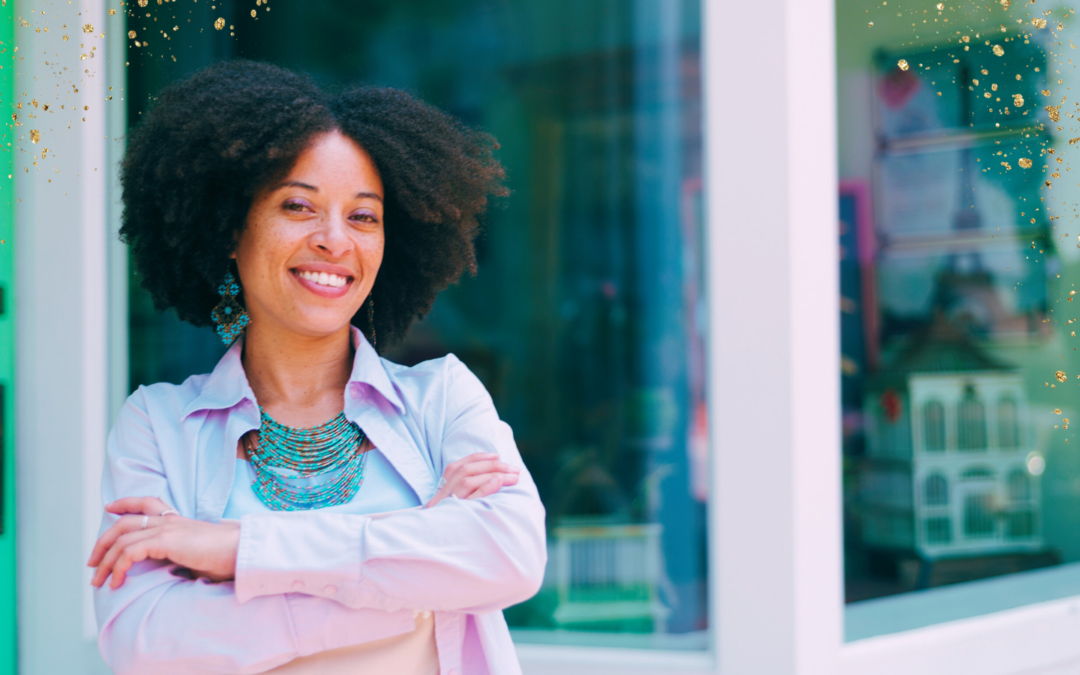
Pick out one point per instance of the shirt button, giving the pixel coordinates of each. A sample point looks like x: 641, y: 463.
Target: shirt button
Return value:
x: 330, y: 589
x: 297, y: 585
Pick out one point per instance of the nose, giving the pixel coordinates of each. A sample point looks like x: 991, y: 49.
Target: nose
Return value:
x: 332, y: 237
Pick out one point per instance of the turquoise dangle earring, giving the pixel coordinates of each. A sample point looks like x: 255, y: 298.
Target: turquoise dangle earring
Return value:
x: 229, y: 316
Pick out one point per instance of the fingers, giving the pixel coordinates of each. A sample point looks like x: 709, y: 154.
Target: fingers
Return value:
x: 149, y: 506
x: 467, y: 487
x: 121, y: 527
x: 489, y: 486
x: 113, y: 555
x: 441, y: 494
x: 459, y: 470
x: 137, y: 552
x: 453, y: 467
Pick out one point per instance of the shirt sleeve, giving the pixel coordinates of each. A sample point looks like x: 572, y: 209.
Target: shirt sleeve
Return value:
x: 158, y: 621
x: 475, y: 556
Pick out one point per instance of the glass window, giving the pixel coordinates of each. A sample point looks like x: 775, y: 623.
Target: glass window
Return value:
x: 956, y: 306
x: 586, y: 320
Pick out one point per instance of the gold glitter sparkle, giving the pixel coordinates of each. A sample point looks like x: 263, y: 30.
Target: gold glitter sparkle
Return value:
x: 35, y: 135
x: 88, y: 28
x: 1057, y: 411
x: 220, y: 23
x: 131, y: 34
x: 1038, y: 22
x: 903, y: 64
x: 1061, y: 376
x: 1005, y: 3
x: 1024, y: 163
x: 1053, y: 110
x: 998, y: 51
x: 1018, y: 100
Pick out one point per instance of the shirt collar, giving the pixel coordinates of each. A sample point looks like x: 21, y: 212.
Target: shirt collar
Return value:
x: 227, y: 385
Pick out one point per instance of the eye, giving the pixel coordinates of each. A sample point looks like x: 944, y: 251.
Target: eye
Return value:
x: 296, y: 205
x: 364, y: 217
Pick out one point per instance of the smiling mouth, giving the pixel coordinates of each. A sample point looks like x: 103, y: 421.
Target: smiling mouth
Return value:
x: 323, y: 278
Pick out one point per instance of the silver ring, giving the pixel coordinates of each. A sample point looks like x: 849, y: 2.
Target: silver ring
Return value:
x: 145, y: 520
x: 169, y: 512
x: 441, y: 485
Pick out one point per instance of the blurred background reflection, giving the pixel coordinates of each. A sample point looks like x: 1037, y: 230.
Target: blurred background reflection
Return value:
x: 586, y: 319
x: 958, y: 345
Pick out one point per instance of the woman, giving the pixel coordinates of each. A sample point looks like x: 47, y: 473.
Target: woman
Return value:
x: 298, y: 522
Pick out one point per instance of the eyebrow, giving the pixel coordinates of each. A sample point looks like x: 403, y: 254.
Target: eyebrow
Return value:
x: 296, y: 183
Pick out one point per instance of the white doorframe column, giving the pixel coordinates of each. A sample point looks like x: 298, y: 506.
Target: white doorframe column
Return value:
x: 769, y: 79
x: 62, y: 340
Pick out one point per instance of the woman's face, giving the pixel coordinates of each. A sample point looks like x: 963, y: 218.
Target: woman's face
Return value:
x: 313, y: 241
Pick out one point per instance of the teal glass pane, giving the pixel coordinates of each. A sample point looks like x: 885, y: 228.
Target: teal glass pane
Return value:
x: 958, y: 341
x: 586, y: 320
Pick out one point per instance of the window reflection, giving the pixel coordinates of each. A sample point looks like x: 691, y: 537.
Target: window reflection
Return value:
x: 955, y: 324
x: 586, y: 321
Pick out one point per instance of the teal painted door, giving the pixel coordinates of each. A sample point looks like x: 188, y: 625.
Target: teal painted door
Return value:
x: 7, y: 349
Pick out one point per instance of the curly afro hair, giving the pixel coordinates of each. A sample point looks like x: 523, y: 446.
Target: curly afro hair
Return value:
x: 194, y: 165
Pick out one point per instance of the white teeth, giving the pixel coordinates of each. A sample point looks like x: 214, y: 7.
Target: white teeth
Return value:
x: 324, y: 279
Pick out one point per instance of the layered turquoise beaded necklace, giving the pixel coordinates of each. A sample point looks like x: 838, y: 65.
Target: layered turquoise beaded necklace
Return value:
x: 328, y: 448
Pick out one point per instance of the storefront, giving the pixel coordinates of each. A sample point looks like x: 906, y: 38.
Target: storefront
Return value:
x: 718, y: 434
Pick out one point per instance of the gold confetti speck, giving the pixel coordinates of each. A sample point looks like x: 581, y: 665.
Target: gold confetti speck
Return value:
x: 143, y: 3
x: 1060, y: 375
x: 35, y: 135
x: 220, y: 23
x: 1018, y: 100
x: 1038, y: 22
x: 1024, y: 163
x: 112, y: 12
x: 131, y: 34
x: 252, y: 14
x: 941, y: 6
x: 1057, y: 411
x: 88, y: 28
x: 903, y: 64
x: 986, y: 94
x: 1005, y: 3
x: 998, y: 51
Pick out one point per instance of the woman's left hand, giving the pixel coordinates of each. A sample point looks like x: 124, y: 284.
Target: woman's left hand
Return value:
x: 207, y: 549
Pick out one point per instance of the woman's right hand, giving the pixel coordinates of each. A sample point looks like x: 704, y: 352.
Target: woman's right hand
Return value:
x: 477, y: 475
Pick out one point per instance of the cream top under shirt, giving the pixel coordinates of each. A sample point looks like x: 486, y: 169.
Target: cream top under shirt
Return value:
x: 383, y: 490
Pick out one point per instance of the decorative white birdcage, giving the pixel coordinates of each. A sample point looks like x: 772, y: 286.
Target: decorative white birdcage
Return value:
x: 608, y: 574
x: 948, y: 443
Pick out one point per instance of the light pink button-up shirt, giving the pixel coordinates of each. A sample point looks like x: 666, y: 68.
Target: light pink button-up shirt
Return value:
x: 310, y: 581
